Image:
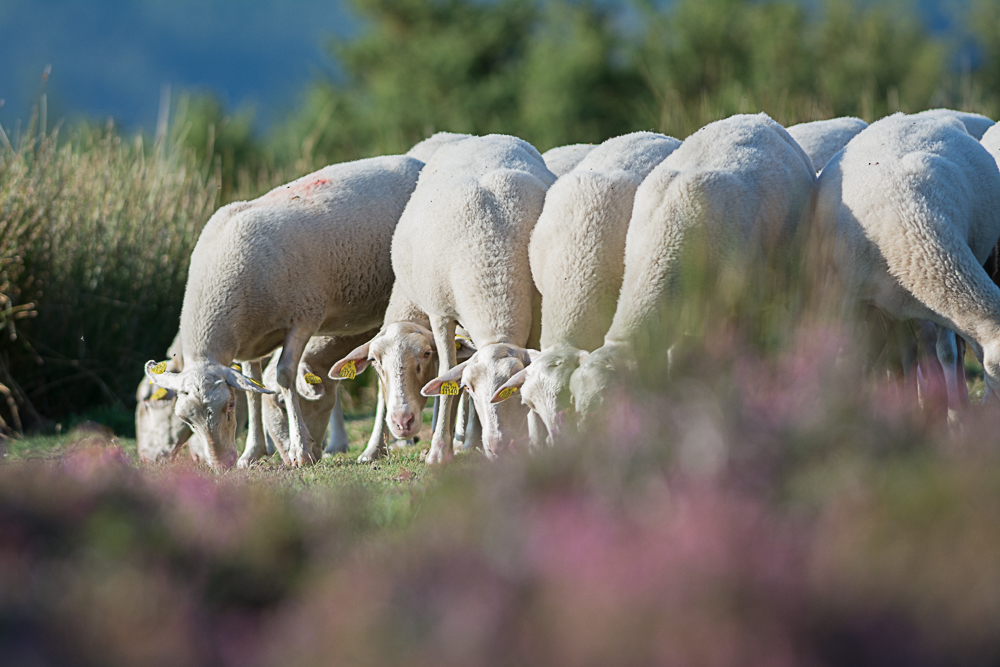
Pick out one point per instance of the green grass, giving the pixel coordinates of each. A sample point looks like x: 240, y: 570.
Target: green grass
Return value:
x: 399, y: 480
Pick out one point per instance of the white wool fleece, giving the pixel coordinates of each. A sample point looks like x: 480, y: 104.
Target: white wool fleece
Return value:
x: 563, y: 159
x: 822, y: 139
x: 735, y: 180
x: 915, y: 202
x: 577, y: 249
x: 975, y: 124
x: 577, y: 255
x: 741, y: 184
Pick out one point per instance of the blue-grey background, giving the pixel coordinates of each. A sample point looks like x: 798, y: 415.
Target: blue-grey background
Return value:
x: 110, y: 57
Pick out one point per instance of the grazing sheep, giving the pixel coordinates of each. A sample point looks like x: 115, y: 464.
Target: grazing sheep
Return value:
x: 577, y: 255
x: 318, y: 392
x: 405, y: 359
x: 478, y: 199
x: 563, y: 159
x: 310, y: 257
x: 733, y: 189
x: 915, y: 202
x: 974, y: 123
x: 426, y: 149
x: 822, y: 139
x: 159, y: 434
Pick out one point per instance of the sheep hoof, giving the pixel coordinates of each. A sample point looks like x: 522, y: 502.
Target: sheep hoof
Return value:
x: 244, y: 463
x: 438, y: 456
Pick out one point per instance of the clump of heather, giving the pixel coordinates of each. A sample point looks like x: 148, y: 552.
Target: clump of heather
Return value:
x: 747, y: 506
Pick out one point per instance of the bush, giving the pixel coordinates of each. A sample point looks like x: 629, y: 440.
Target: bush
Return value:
x: 97, y: 234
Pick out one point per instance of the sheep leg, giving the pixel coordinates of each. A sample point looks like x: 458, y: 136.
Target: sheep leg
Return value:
x: 908, y: 356
x: 947, y: 354
x: 256, y: 446
x: 300, y: 449
x: 434, y: 414
x: 473, y: 430
x: 379, y: 440
x: 338, y: 432
x: 963, y: 385
x: 460, y: 420
x: 537, y: 433
x: 441, y: 450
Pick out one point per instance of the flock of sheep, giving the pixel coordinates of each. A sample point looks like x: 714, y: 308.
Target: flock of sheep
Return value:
x: 552, y: 265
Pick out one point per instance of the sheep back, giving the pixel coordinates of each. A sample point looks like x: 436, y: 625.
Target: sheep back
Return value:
x: 313, y: 252
x: 460, y: 249
x: 742, y: 184
x: 577, y: 249
x: 822, y: 139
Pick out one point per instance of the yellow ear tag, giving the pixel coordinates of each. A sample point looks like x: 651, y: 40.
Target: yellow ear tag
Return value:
x: 159, y: 368
x: 255, y: 382
x: 449, y: 388
x: 507, y: 393
x: 236, y: 367
x: 348, y: 371
x: 458, y: 346
x: 312, y: 378
x: 158, y: 394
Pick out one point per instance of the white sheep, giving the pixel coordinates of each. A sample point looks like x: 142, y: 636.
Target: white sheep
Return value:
x: 159, y: 434
x: 822, y: 139
x: 478, y: 200
x: 426, y: 149
x: 563, y: 159
x: 915, y: 205
x: 734, y: 188
x: 577, y: 255
x: 310, y: 257
x: 974, y: 123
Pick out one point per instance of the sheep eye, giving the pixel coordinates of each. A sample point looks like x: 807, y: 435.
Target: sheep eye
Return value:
x: 427, y: 354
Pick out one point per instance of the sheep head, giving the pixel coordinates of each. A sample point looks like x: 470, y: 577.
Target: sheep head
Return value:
x: 159, y: 434
x: 405, y: 358
x: 544, y: 387
x: 206, y: 393
x: 504, y: 423
x: 598, y: 373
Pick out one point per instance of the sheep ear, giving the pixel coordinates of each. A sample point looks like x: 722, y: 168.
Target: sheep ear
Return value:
x: 160, y: 376
x: 354, y: 363
x: 527, y: 356
x: 308, y: 384
x: 464, y: 348
x: 581, y: 356
x: 447, y: 384
x: 510, y: 387
x: 239, y: 381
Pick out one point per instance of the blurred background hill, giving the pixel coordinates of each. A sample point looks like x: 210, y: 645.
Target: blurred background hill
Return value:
x: 103, y: 189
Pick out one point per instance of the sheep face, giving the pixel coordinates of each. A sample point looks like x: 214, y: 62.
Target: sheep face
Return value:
x: 597, y: 374
x: 546, y: 389
x: 208, y: 406
x: 159, y: 433
x: 405, y: 358
x: 206, y: 402
x: 504, y: 424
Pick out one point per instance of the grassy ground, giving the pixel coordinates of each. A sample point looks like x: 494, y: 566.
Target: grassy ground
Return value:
x: 399, y: 479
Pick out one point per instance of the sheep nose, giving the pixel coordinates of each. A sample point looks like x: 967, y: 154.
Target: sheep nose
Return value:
x: 403, y: 421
